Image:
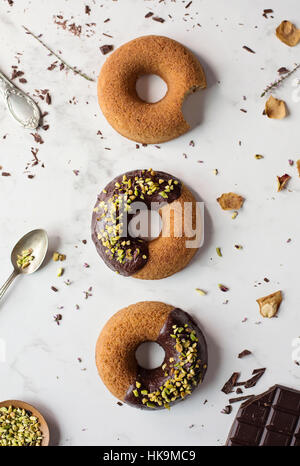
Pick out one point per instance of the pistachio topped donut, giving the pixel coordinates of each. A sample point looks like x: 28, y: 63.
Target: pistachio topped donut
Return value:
x: 182, y: 370
x: 129, y: 115
x: 135, y: 256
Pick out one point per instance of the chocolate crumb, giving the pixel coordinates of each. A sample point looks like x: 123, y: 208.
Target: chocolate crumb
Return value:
x: 104, y: 49
x: 244, y: 353
x: 5, y: 174
x: 227, y: 409
x: 149, y: 14
x: 87, y: 10
x: 238, y: 391
x: 53, y: 288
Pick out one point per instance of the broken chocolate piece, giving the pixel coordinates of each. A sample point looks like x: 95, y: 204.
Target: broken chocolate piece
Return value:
x: 230, y: 384
x: 257, y: 374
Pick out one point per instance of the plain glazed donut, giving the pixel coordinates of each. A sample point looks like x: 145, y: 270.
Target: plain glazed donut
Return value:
x: 184, y: 365
x: 137, y: 257
x: 129, y: 115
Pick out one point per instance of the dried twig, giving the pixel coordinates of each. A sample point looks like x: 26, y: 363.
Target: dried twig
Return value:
x: 72, y: 68
x: 279, y: 81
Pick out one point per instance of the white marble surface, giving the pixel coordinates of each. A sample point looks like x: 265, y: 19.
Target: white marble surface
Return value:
x: 41, y: 364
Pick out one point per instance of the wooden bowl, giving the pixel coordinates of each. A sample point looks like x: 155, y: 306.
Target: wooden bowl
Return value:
x: 43, y: 424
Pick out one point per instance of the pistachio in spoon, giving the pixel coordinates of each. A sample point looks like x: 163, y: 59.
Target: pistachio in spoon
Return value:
x: 27, y: 255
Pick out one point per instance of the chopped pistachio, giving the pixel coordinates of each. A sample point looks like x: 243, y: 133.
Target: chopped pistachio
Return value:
x: 25, y: 258
x: 19, y: 427
x: 58, y: 257
x: 60, y: 272
x: 219, y: 252
x: 234, y: 215
x: 201, y: 292
x: 258, y: 156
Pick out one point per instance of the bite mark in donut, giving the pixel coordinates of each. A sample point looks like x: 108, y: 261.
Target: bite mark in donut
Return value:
x: 184, y: 365
x: 113, y: 211
x: 135, y: 119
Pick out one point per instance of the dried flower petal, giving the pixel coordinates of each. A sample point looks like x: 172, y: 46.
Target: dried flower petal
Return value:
x: 223, y: 288
x: 275, y: 108
x: 269, y: 305
x: 288, y: 33
x: 230, y: 201
x: 298, y: 166
x: 282, y: 181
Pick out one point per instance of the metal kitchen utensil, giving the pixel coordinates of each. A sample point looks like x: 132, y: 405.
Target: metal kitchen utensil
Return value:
x: 20, y: 106
x: 37, y: 240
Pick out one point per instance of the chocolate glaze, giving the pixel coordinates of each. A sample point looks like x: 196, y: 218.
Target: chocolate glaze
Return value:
x: 137, y: 261
x: 152, y: 379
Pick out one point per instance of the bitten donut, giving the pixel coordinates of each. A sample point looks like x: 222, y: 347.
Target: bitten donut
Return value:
x: 184, y: 365
x: 181, y: 226
x: 129, y: 115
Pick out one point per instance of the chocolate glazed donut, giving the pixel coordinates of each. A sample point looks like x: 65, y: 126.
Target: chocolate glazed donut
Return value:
x: 133, y: 256
x: 184, y: 365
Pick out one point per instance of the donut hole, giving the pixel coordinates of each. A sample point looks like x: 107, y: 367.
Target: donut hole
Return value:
x: 146, y: 224
x: 150, y: 355
x: 151, y: 88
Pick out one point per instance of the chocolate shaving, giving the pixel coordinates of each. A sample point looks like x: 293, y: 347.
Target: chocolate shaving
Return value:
x: 188, y: 5
x: 258, y: 373
x: 5, y: 174
x: 149, y: 14
x: 158, y: 19
x: 244, y: 353
x: 104, y: 49
x: 240, y: 398
x: 248, y: 49
x: 282, y: 70
x: 87, y: 10
x: 231, y: 383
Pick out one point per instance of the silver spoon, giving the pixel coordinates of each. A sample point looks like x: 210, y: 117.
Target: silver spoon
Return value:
x: 37, y: 240
x: 20, y: 106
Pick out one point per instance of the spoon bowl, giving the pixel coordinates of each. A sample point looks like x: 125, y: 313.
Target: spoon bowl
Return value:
x: 37, y: 240
x: 43, y: 424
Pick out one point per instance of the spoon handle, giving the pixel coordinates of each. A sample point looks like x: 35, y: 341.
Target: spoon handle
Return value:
x: 8, y: 282
x: 20, y: 106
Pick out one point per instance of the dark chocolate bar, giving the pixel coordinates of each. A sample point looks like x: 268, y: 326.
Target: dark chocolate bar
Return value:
x: 270, y: 419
